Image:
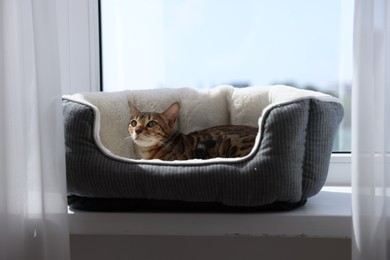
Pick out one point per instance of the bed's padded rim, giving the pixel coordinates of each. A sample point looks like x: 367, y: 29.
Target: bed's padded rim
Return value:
x: 243, y: 106
x: 257, y: 181
x: 323, y: 122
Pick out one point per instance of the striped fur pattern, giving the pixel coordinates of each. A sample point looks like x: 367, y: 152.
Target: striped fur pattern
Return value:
x: 155, y: 137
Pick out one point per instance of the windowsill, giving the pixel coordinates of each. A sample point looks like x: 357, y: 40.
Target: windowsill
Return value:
x: 326, y: 215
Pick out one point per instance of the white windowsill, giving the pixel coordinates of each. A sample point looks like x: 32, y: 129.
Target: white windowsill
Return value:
x: 326, y: 215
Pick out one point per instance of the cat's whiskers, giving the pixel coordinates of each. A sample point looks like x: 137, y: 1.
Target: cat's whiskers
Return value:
x: 127, y: 138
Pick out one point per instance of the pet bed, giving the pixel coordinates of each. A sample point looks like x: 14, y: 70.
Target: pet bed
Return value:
x: 288, y: 164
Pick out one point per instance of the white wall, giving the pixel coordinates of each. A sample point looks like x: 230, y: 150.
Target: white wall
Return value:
x: 121, y: 247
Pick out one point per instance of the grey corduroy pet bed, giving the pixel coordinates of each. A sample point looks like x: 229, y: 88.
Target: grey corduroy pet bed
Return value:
x: 288, y: 164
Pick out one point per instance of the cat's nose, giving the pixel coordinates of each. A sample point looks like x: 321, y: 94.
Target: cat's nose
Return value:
x: 138, y: 131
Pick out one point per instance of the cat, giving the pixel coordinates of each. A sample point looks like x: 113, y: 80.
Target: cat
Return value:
x: 155, y: 137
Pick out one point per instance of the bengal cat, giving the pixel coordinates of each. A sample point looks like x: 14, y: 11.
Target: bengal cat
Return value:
x: 155, y: 137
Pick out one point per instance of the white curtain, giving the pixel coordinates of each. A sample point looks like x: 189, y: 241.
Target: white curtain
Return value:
x: 371, y: 130
x: 33, y: 215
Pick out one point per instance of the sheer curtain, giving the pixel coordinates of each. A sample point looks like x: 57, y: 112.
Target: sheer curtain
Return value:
x: 33, y: 217
x: 371, y: 130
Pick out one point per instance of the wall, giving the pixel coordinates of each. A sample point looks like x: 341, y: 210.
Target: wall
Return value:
x: 118, y: 247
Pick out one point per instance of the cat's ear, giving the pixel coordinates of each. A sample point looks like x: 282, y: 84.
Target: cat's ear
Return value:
x: 133, y: 109
x: 171, y: 113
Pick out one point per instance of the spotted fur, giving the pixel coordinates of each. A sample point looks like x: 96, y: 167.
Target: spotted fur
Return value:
x: 155, y: 137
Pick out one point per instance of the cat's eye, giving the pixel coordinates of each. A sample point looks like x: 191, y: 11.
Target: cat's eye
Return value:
x: 133, y: 123
x: 151, y: 124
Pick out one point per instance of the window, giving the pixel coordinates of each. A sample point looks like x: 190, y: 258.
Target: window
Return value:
x: 203, y: 43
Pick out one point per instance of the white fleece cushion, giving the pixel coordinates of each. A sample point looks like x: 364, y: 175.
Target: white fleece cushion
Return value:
x: 200, y: 108
x: 247, y: 104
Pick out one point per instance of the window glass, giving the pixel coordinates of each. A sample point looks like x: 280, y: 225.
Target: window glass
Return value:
x: 205, y: 43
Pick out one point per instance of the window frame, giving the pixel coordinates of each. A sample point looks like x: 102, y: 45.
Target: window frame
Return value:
x: 81, y: 60
x: 79, y: 41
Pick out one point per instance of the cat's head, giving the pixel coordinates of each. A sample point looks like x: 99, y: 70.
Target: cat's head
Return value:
x: 148, y: 129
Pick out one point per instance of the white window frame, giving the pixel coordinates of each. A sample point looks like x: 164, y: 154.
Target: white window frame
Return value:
x: 78, y: 23
x: 339, y: 173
